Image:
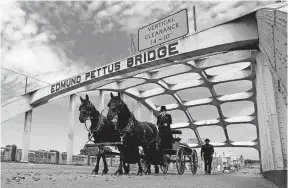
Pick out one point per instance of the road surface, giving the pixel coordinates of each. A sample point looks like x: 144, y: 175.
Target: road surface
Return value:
x: 63, y: 176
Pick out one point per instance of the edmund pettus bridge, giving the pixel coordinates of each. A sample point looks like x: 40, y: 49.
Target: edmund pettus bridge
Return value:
x: 257, y: 42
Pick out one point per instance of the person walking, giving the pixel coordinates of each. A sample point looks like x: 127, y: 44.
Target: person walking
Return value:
x: 207, y: 151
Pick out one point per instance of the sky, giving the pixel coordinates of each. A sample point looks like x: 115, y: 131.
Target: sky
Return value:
x: 51, y: 41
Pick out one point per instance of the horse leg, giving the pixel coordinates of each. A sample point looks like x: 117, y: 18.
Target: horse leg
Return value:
x: 156, y: 169
x: 97, y: 165
x: 148, y: 168
x: 120, y: 170
x: 126, y: 167
x: 140, y: 170
x: 105, y: 164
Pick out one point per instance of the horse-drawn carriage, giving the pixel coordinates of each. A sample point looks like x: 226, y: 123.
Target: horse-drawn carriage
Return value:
x: 179, y: 153
x: 121, y: 129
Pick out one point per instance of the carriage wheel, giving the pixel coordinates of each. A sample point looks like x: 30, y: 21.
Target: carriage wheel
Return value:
x: 194, y: 162
x: 180, y: 161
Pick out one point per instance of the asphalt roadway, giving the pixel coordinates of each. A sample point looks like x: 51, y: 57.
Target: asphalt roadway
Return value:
x: 63, y: 176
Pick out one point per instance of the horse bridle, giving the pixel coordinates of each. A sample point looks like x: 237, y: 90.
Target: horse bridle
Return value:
x: 99, y: 124
x: 130, y: 124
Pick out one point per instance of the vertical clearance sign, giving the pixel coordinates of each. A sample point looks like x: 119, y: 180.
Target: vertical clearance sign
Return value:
x: 164, y: 30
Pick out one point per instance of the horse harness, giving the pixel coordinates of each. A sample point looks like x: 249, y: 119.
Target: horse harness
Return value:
x: 99, y: 126
x: 131, y: 124
x: 129, y: 128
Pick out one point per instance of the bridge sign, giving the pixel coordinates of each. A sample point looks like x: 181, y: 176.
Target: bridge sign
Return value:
x: 164, y: 30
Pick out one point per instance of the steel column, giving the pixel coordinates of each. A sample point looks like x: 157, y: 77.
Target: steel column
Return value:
x: 264, y: 136
x: 271, y: 152
x: 274, y: 128
x: 123, y: 97
x: 71, y: 129
x: 138, y: 111
x: 26, y: 136
x: 101, y: 100
x: 151, y: 116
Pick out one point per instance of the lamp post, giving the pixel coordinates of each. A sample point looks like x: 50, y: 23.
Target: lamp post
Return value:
x: 26, y: 80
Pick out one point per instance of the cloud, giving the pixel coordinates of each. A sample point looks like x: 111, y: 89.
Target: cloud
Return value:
x: 29, y: 50
x: 33, y: 44
x: 130, y: 16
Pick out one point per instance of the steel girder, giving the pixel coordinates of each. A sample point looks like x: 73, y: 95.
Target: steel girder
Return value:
x: 200, y: 66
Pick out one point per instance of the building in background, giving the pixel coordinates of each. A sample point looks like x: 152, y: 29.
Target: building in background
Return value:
x: 194, y: 140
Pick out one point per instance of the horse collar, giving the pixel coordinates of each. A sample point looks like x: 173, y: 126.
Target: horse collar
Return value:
x: 129, y: 126
x: 99, y: 124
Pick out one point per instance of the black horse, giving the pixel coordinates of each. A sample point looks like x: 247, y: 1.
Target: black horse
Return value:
x: 135, y: 134
x: 102, y: 131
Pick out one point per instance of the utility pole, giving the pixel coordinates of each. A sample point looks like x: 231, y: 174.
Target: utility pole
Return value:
x: 132, y: 45
x: 194, y: 17
x: 26, y: 132
x: 132, y: 41
x: 26, y: 80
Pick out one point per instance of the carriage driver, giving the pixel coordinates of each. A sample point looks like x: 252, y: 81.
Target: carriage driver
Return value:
x: 163, y: 116
x: 164, y: 121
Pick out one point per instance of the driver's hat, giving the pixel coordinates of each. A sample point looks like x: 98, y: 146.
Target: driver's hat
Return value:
x: 163, y: 108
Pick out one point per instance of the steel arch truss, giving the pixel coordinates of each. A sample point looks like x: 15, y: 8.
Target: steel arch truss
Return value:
x: 203, y: 71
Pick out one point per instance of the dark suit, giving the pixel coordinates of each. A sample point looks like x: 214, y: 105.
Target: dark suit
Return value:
x: 162, y: 119
x: 207, y: 151
x: 166, y: 139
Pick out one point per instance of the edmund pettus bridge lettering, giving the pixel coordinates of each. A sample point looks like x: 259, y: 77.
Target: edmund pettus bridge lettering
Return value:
x: 145, y: 57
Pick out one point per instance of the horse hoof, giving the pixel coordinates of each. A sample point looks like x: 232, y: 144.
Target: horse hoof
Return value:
x: 93, y: 172
x: 104, y: 172
x: 118, y: 172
